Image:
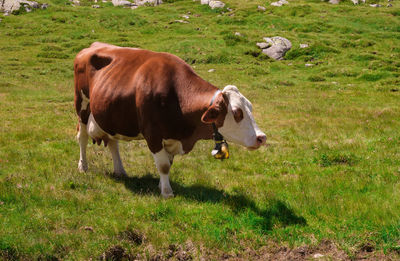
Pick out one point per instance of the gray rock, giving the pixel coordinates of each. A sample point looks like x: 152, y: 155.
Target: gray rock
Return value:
x: 238, y: 34
x: 148, y: 2
x: 95, y: 6
x: 122, y: 3
x: 211, y: 70
x: 302, y: 46
x: 8, y: 6
x: 279, y: 47
x: 375, y: 5
x: 280, y: 3
x: 204, y: 2
x: 309, y: 65
x: 261, y: 8
x: 44, y: 6
x: 216, y: 4
x: 389, y: 5
x: 334, y: 2
x: 355, y: 2
x: 185, y: 16
x: 263, y: 45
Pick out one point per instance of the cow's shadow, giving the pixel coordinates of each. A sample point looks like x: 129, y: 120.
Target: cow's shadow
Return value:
x: 276, y: 211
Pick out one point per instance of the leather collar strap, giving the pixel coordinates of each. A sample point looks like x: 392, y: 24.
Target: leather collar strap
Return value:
x: 216, y: 136
x: 215, y: 96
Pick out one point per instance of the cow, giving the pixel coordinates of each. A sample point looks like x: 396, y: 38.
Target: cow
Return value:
x: 129, y: 94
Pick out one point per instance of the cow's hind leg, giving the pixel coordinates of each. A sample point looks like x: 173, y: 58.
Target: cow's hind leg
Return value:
x: 163, y: 164
x: 114, y: 149
x: 82, y: 137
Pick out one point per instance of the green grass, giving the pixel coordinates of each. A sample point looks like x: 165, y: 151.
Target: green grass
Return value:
x: 331, y: 170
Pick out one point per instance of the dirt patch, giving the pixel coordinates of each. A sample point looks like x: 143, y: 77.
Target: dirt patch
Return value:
x: 132, y: 236
x: 326, y: 250
x: 117, y: 253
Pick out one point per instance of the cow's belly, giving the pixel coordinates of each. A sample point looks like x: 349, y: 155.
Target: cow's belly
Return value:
x: 98, y: 134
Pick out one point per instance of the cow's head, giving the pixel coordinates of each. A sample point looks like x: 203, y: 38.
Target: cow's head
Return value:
x: 238, y: 125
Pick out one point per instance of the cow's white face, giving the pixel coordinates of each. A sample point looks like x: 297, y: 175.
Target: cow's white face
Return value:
x: 239, y: 125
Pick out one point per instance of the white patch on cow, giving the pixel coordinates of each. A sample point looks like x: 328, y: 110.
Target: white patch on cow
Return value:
x: 85, y: 101
x: 82, y: 137
x: 162, y: 160
x: 95, y: 131
x: 245, y: 132
x: 173, y: 147
x: 117, y: 162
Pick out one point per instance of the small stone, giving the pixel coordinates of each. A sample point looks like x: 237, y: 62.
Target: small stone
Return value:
x: 238, y: 34
x: 375, y: 5
x: 355, y: 2
x: 104, y: 1
x: 276, y: 4
x: 19, y: 186
x: 334, y: 2
x: 280, y: 3
x: 95, y: 6
x: 229, y: 9
x: 204, y: 2
x: 302, y: 46
x: 44, y: 6
x: 6, y: 13
x: 216, y: 4
x: 309, y: 65
x: 261, y: 8
x: 389, y: 5
x: 87, y: 228
x: 318, y: 255
x: 134, y: 7
x: 1, y: 203
x: 181, y: 21
x: 185, y: 16
x: 211, y: 70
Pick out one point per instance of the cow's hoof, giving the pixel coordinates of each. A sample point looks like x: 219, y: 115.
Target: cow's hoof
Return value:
x: 167, y: 195
x: 82, y: 167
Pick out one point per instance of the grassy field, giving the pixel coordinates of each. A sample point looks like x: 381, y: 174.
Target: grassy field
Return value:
x: 331, y: 172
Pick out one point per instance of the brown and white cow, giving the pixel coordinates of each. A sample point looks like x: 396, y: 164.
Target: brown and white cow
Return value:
x: 127, y: 94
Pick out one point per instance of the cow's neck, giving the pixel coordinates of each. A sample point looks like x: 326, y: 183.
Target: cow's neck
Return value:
x: 196, y: 103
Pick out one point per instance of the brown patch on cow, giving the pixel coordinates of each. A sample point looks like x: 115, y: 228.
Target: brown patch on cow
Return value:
x: 99, y: 62
x: 164, y: 168
x: 238, y: 115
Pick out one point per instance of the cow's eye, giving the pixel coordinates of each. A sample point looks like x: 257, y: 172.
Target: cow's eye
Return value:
x: 238, y: 114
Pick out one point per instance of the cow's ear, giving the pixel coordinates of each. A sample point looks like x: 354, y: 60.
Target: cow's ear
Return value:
x: 211, y: 115
x: 100, y: 61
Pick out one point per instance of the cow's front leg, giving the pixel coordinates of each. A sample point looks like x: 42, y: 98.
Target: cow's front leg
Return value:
x: 117, y: 162
x: 163, y: 164
x: 82, y: 137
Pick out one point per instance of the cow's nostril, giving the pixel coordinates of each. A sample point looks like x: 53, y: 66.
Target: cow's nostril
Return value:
x: 261, y: 139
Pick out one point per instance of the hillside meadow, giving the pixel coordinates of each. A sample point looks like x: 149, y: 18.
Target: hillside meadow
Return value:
x: 328, y: 182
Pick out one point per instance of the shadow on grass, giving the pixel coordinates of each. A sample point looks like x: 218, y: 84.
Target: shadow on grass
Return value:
x: 276, y: 211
